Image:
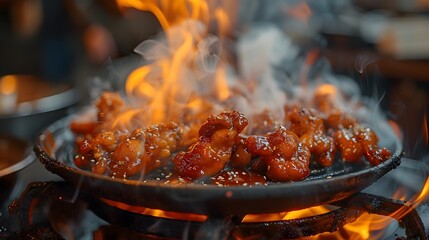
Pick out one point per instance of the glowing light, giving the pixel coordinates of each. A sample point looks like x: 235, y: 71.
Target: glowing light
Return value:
x: 156, y: 212
x: 312, y: 211
x: 8, y: 85
x: 8, y: 96
x: 326, y: 90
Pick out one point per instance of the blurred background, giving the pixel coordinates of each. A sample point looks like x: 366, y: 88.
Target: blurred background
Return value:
x: 50, y: 50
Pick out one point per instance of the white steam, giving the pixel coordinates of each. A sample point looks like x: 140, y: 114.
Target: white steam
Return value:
x: 258, y: 51
x: 253, y: 80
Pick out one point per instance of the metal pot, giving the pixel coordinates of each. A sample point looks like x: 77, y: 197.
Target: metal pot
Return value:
x: 33, y: 113
x: 15, y: 154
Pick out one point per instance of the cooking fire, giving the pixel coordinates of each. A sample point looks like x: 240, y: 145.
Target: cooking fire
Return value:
x: 190, y: 109
x: 226, y: 131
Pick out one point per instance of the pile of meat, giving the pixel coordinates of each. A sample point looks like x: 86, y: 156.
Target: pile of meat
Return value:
x: 222, y: 147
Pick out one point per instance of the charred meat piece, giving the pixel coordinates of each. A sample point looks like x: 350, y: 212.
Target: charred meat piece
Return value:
x: 209, y: 155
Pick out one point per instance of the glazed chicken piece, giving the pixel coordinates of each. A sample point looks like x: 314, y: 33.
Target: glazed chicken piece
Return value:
x: 326, y: 100
x: 145, y: 150
x: 337, y: 119
x: 241, y: 157
x: 281, y: 155
x: 303, y: 120
x: 354, y: 143
x: 321, y: 146
x: 109, y: 105
x: 263, y: 123
x: 93, y: 152
x: 309, y: 126
x: 192, y: 120
x: 209, y: 155
x: 123, y: 155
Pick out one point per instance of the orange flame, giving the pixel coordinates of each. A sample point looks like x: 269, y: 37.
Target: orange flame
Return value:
x: 366, y: 226
x: 312, y: 211
x: 168, y: 86
x: 175, y: 12
x: 156, y: 212
x: 374, y: 226
x: 170, y: 12
x: 413, y: 202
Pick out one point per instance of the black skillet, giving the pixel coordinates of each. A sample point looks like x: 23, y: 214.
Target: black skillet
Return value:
x: 54, y: 148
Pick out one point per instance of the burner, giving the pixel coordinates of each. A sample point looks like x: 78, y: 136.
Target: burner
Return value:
x: 52, y: 208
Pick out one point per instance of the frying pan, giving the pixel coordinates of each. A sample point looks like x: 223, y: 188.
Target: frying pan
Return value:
x: 55, y: 149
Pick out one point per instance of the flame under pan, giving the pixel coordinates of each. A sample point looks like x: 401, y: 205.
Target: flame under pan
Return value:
x: 55, y: 148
